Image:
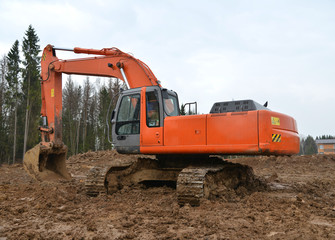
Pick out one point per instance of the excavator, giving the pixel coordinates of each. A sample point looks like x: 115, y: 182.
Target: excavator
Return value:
x: 147, y: 121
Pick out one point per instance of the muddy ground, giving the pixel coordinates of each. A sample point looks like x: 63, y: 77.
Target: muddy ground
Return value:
x: 299, y: 203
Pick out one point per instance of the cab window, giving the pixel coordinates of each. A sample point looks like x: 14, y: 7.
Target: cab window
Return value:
x: 152, y: 109
x: 128, y: 118
x: 170, y: 105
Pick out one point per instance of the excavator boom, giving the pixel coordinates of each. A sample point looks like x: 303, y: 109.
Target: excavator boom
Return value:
x: 50, y: 153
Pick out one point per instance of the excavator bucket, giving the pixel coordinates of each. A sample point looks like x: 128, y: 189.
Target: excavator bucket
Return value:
x: 46, y: 163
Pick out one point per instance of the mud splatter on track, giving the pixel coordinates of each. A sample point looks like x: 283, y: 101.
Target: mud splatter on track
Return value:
x: 298, y: 204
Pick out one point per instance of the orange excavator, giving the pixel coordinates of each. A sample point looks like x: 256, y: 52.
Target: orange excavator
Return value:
x: 147, y: 120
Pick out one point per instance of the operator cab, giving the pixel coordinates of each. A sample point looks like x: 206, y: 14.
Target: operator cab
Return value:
x: 127, y: 116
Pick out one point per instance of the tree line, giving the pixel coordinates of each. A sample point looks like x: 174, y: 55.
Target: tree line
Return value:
x: 86, y: 112
x: 85, y: 108
x: 19, y: 97
x: 325, y: 137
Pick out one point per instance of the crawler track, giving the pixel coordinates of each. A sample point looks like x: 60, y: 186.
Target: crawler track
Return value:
x: 202, y: 181
x: 191, y: 184
x: 110, y: 179
x: 214, y: 181
x: 95, y: 181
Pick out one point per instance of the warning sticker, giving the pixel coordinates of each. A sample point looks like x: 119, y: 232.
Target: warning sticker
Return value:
x: 276, y: 138
x: 275, y: 121
x: 52, y: 92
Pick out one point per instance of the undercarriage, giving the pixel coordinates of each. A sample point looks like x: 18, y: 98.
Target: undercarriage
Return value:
x: 195, y: 177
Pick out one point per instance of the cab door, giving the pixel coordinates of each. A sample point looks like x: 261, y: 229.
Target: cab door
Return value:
x: 126, y: 122
x: 151, y: 117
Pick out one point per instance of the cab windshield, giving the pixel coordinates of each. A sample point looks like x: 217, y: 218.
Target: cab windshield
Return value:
x: 171, y: 107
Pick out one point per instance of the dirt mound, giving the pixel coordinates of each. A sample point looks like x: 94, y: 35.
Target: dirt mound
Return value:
x: 299, y: 203
x: 234, y: 182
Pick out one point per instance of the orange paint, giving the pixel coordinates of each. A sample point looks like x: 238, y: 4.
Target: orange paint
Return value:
x: 245, y: 133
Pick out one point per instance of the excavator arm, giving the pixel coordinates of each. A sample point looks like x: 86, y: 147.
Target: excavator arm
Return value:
x: 48, y: 158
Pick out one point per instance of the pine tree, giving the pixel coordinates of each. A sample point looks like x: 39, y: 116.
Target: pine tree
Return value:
x: 302, y: 143
x: 31, y: 87
x: 3, y: 71
x: 13, y: 94
x: 87, y: 94
x: 310, y: 146
x: 92, y: 130
x: 104, y: 101
x: 4, y: 152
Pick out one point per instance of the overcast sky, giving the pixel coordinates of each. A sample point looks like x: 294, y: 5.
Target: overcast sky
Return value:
x: 207, y: 51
